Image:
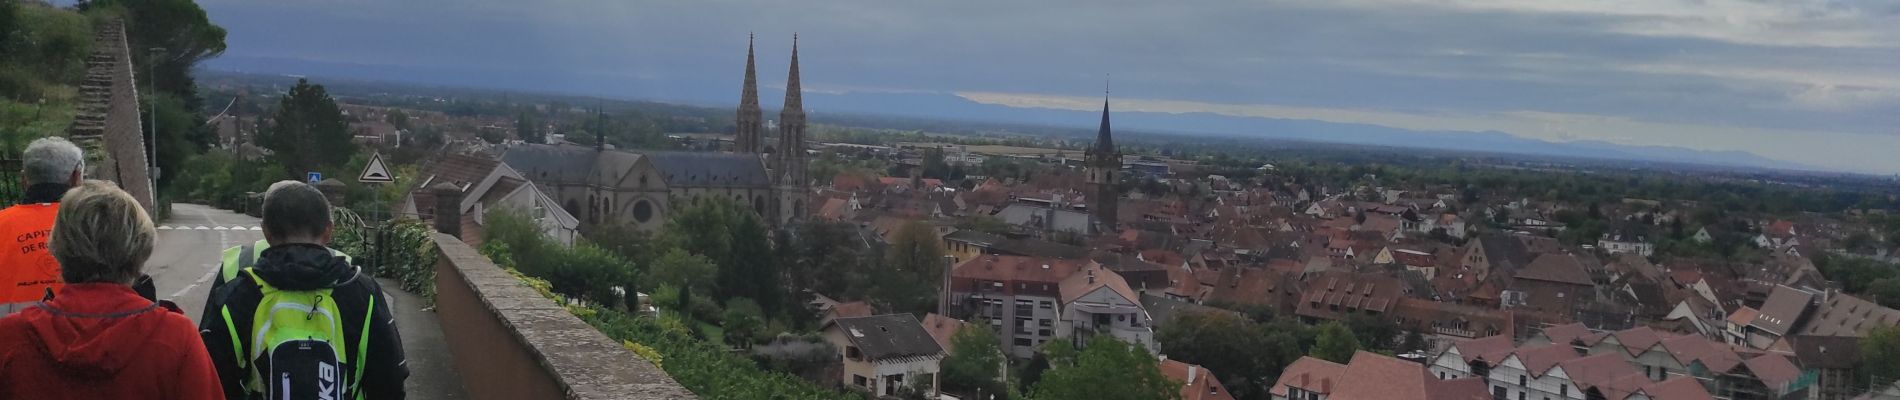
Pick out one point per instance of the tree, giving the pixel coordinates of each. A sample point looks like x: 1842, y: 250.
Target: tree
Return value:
x: 1880, y: 356
x: 307, y: 132
x: 680, y: 269
x: 1414, y: 342
x: 742, y: 320
x: 529, y: 129
x: 1106, y: 370
x: 752, y: 264
x: 8, y: 14
x: 914, y: 265
x: 179, y: 27
x: 490, y: 135
x: 397, y: 118
x: 975, y: 362
x: 1242, y: 351
x: 825, y: 257
x: 1373, y: 332
x: 1885, y: 291
x: 733, y: 238
x: 1335, y: 343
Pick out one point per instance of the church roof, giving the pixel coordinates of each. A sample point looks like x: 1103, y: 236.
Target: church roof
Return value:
x: 688, y: 169
x: 551, y: 163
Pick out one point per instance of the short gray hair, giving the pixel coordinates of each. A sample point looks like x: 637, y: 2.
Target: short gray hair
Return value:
x: 51, y: 160
x: 101, y: 235
x: 295, y: 209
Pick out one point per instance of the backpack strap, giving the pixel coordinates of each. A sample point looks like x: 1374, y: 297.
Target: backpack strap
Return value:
x: 362, y: 347
x: 237, y: 342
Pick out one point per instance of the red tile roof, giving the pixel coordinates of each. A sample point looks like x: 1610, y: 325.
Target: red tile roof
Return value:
x: 1742, y: 316
x: 942, y: 328
x: 1197, y: 383
x: 1772, y: 369
x: 1638, y: 339
x: 1309, y: 374
x: 1562, y: 268
x: 1350, y: 292
x: 1688, y: 349
x: 1538, y: 360
x: 1597, y: 370
x: 1015, y: 273
x: 852, y: 310
x: 1566, y: 333
x: 1378, y: 377
x: 1677, y: 388
x: 1489, y: 348
x: 1092, y: 277
x: 1250, y: 285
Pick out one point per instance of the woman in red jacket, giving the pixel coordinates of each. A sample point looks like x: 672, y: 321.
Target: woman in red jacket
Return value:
x: 96, y: 339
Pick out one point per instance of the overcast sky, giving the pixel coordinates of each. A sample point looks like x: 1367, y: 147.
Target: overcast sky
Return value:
x: 1813, y: 82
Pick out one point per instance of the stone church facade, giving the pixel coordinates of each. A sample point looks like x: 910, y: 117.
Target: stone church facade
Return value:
x: 641, y: 188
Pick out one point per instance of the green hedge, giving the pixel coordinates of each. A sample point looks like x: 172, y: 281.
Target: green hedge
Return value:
x: 411, y: 256
x: 707, y: 369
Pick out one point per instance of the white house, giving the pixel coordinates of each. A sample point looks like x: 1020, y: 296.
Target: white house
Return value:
x: 1618, y: 243
x: 1533, y: 373
x: 1097, y: 301
x: 886, y: 354
x: 1471, y: 357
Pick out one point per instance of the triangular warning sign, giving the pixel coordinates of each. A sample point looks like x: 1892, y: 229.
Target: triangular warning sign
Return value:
x: 376, y: 172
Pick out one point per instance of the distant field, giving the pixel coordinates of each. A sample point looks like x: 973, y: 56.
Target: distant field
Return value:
x: 996, y: 149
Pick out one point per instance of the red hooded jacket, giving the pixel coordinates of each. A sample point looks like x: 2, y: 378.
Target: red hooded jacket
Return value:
x: 102, y: 341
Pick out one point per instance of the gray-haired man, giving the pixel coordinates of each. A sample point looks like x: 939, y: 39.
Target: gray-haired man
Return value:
x: 49, y: 167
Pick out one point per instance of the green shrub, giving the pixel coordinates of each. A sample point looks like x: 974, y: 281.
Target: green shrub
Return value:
x: 708, y: 369
x: 583, y: 271
x: 409, y: 258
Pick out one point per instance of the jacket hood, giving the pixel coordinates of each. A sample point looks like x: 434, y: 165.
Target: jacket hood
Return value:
x: 94, y: 330
x: 301, y: 266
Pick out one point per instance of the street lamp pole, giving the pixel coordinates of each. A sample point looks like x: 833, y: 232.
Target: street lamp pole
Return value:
x: 151, y: 142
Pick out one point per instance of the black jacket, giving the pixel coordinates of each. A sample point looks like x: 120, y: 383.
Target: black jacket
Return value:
x: 307, y: 267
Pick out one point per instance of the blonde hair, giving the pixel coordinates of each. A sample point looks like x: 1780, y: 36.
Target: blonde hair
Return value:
x: 101, y: 235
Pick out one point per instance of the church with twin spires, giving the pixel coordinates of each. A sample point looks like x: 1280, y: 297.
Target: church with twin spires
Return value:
x: 598, y: 185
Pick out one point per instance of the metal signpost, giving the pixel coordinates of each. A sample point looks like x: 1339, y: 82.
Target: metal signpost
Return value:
x: 376, y: 173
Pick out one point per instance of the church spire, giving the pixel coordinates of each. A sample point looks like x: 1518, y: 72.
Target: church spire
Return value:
x: 792, y: 92
x: 789, y: 159
x: 1104, y: 166
x: 749, y: 120
x: 1104, y: 143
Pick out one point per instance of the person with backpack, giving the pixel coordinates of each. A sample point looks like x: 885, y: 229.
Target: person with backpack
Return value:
x: 97, y: 338
x: 301, y: 322
x: 49, y: 167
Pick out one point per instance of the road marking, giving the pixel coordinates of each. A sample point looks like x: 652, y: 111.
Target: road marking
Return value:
x: 201, y: 227
x: 202, y: 212
x: 221, y: 228
x: 165, y: 227
x: 256, y: 228
x: 212, y: 271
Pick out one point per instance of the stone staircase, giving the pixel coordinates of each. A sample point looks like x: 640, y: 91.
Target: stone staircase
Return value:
x: 107, y: 125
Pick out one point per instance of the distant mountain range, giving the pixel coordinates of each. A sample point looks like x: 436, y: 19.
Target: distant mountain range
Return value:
x: 714, y: 92
x: 955, y: 107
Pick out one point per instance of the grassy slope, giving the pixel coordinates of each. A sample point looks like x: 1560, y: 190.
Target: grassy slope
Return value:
x: 46, y: 59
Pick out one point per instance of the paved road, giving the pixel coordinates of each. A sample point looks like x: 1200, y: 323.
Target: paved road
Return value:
x: 186, y: 259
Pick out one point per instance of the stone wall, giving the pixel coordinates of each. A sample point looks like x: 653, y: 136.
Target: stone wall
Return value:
x: 508, y: 342
x: 107, y: 124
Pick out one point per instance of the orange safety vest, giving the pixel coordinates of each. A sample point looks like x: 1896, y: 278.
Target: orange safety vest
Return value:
x: 27, y: 270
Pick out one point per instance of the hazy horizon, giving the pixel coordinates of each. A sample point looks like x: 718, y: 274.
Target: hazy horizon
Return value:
x: 1802, y: 82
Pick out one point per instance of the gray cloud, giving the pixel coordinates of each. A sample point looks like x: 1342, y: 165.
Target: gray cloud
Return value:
x: 1737, y: 74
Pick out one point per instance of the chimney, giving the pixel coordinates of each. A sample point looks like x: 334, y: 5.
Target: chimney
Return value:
x: 1192, y: 370
x: 448, y: 208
